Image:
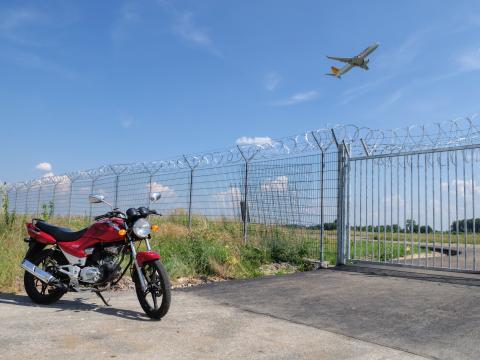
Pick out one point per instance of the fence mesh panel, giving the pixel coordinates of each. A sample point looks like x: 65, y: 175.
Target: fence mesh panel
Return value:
x: 406, y: 196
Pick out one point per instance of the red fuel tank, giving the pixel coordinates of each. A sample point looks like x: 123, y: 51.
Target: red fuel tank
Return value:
x: 105, y: 231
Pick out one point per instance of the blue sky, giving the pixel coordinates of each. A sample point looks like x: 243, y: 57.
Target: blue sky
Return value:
x: 87, y: 83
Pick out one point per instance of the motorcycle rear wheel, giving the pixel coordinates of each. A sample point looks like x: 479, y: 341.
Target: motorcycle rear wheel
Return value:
x: 38, y: 291
x: 155, y: 301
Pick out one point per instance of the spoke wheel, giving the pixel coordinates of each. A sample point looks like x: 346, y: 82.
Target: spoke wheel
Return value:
x: 38, y: 291
x: 155, y: 301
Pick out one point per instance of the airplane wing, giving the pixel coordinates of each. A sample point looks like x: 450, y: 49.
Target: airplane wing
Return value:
x: 368, y: 51
x: 345, y: 60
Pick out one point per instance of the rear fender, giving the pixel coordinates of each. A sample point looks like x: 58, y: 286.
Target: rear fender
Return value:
x: 146, y: 256
x: 39, y: 235
x: 33, y: 248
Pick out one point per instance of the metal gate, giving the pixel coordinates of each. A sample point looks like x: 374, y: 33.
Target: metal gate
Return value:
x: 416, y: 208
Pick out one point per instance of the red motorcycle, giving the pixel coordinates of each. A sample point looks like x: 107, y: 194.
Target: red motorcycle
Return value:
x: 60, y: 260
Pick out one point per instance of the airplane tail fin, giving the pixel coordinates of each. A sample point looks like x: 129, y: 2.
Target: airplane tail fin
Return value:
x: 334, y: 72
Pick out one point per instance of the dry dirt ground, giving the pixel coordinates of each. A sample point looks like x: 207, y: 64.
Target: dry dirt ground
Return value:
x: 325, y: 314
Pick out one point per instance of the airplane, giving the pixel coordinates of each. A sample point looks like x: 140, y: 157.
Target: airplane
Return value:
x: 358, y: 61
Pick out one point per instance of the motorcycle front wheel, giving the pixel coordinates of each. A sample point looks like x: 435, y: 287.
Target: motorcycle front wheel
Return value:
x: 155, y: 301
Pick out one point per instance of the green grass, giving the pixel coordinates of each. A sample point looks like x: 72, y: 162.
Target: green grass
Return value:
x: 212, y: 248
x: 12, y: 250
x: 436, y: 236
x: 216, y: 247
x: 380, y: 251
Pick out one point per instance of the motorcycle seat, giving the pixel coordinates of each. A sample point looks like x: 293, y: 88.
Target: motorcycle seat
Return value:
x: 60, y: 234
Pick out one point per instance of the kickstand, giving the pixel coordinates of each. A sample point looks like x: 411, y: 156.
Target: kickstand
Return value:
x: 99, y: 294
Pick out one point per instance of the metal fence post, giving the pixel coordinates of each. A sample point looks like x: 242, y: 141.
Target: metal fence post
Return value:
x: 245, y: 206
x: 26, y: 199
x: 91, y: 193
x: 150, y: 184
x: 117, y: 173
x: 322, y: 181
x: 341, y: 204
x: 244, y: 203
x: 190, y: 192
x: 54, y: 194
x: 38, y: 200
x: 347, y: 200
x: 190, y: 201
x: 115, y: 201
x: 70, y: 198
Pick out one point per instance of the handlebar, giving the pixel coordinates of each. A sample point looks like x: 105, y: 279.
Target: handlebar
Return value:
x: 116, y: 212
x: 104, y: 216
x: 109, y: 214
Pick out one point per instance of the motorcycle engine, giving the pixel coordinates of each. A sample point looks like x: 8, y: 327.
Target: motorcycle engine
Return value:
x: 103, y: 266
x: 90, y: 274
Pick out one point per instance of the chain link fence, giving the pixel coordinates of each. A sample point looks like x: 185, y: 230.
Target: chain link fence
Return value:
x: 294, y: 190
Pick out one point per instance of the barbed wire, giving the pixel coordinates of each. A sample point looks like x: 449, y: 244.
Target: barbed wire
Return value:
x: 361, y: 141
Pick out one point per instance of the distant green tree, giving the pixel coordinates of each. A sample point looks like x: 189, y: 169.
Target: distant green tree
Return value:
x: 465, y: 226
x: 410, y: 225
x: 423, y: 229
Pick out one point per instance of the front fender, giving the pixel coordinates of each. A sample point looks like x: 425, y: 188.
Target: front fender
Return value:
x: 146, y: 256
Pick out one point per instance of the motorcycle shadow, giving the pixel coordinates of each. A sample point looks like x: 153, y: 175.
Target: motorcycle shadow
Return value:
x: 78, y: 304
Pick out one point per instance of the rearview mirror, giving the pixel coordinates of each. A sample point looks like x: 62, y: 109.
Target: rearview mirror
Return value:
x: 155, y: 196
x: 96, y: 199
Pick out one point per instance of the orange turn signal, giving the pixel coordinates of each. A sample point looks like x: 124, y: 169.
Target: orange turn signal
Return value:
x: 122, y: 232
x: 155, y: 228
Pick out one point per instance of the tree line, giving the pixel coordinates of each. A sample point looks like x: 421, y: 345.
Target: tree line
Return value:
x: 464, y: 225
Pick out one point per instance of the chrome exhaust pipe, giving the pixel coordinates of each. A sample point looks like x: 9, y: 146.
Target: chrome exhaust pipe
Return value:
x: 44, y: 276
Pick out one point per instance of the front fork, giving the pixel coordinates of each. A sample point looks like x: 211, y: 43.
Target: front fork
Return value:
x: 141, y: 278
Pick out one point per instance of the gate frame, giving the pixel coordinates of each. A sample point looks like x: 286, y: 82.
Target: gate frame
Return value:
x: 343, y: 229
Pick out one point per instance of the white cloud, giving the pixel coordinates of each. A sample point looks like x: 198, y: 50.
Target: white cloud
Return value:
x: 166, y: 191
x: 272, y: 80
x: 459, y: 186
x: 44, y: 166
x: 469, y: 60
x: 228, y: 201
x: 232, y: 195
x: 48, y: 174
x: 187, y: 29
x: 63, y: 184
x: 297, y: 98
x: 278, y: 184
x: 254, y: 141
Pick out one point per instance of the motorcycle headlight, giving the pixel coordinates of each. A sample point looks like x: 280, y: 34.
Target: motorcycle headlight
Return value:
x: 141, y: 228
